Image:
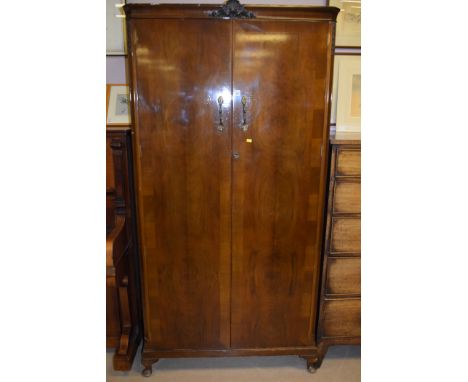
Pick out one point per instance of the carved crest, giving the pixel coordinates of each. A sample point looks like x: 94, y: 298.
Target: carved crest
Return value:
x: 233, y: 10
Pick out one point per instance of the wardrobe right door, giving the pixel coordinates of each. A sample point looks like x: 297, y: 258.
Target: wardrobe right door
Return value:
x: 281, y: 85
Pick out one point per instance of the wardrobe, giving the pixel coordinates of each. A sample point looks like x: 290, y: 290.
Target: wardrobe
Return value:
x: 230, y: 110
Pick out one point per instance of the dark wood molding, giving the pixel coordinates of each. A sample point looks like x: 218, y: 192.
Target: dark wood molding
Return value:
x: 204, y: 11
x: 347, y: 47
x: 151, y: 354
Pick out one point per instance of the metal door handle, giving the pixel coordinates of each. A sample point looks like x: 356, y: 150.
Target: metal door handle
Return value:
x: 244, y: 125
x: 220, y: 112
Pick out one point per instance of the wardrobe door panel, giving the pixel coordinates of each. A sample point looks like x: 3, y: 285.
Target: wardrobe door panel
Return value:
x: 179, y: 70
x: 280, y: 132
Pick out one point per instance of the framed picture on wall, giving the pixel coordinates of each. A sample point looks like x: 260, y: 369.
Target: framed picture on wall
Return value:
x: 334, y: 89
x: 348, y: 23
x: 115, y: 28
x: 346, y: 99
x: 118, y: 105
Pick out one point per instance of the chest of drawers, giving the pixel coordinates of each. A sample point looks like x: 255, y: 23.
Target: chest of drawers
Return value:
x: 340, y: 300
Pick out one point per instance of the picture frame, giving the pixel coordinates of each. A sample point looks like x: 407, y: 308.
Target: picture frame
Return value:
x: 116, y: 41
x: 337, y: 58
x: 346, y: 93
x: 348, y: 23
x: 118, y: 105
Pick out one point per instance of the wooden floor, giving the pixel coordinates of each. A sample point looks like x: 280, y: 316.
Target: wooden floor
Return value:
x: 342, y: 364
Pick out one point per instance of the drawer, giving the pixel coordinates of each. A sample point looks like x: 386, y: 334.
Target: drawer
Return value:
x: 348, y: 162
x: 345, y: 235
x: 341, y: 318
x: 347, y: 197
x: 343, y: 276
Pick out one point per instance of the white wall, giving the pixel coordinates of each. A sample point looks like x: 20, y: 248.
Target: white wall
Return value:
x: 115, y: 70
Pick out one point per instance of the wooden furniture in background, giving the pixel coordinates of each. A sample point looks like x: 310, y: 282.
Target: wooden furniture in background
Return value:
x: 230, y: 110
x: 123, y: 306
x: 340, y: 302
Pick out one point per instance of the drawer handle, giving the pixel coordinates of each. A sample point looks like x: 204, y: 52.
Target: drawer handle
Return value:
x: 220, y: 113
x: 244, y: 126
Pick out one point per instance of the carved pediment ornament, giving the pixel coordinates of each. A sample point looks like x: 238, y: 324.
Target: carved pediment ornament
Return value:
x: 232, y: 9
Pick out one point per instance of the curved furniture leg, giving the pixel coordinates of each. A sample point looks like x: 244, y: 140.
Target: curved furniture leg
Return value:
x: 312, y: 362
x: 148, y: 367
x: 315, y: 361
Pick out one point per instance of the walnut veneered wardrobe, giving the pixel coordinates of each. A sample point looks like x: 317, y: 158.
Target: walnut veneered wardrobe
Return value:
x: 230, y: 108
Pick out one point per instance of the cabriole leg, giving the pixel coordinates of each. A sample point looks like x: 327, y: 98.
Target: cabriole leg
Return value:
x: 148, y: 367
x: 315, y: 361
x: 312, y: 364
x: 147, y: 371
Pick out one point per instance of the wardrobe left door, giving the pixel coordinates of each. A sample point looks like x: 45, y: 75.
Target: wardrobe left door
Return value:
x: 181, y: 93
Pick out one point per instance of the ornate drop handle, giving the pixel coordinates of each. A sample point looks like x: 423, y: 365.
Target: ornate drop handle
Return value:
x: 220, y: 112
x: 244, y: 125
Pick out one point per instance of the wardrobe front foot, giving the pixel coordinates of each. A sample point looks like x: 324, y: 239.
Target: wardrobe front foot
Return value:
x: 147, y: 371
x: 148, y: 366
x: 313, y: 363
x: 311, y: 368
